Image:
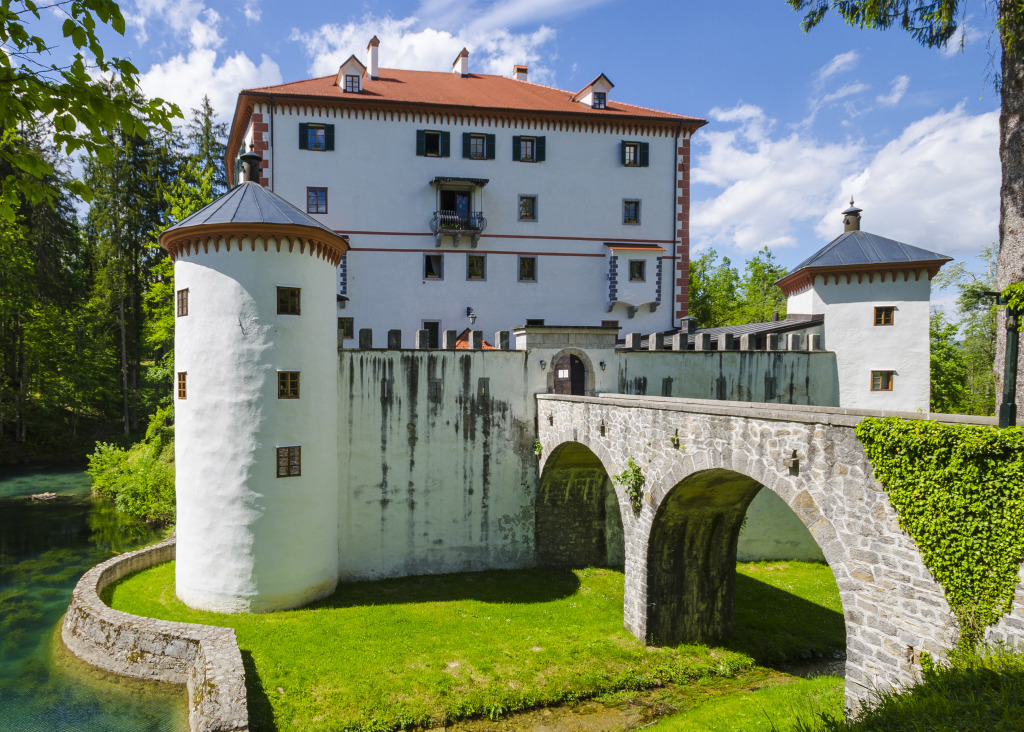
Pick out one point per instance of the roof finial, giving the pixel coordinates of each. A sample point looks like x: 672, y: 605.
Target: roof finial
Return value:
x: 851, y: 217
x: 250, y: 165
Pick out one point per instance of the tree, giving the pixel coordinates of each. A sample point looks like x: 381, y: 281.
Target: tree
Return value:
x: 948, y: 371
x: 206, y: 138
x: 761, y: 298
x: 933, y: 23
x: 72, y: 95
x: 720, y: 296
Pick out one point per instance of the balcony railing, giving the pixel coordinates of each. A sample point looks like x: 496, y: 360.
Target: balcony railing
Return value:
x: 449, y: 223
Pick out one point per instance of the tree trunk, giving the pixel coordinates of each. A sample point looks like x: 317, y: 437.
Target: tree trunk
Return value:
x: 124, y: 367
x: 1010, y: 266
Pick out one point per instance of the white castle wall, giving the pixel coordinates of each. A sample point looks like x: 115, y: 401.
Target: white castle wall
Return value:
x: 862, y: 347
x: 247, y: 540
x: 580, y: 189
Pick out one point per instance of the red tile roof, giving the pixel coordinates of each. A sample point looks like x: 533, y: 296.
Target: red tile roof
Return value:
x: 462, y: 343
x: 479, y: 91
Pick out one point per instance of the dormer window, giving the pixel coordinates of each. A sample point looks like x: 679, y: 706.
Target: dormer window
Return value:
x: 352, y: 84
x: 600, y: 100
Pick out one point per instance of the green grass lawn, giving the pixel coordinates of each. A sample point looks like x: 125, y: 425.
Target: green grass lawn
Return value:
x: 422, y: 650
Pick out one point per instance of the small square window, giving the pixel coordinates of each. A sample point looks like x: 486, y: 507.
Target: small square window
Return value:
x: 527, y: 149
x: 183, y: 385
x: 637, y: 270
x: 600, y: 100
x: 316, y: 200
x: 631, y: 212
x: 432, y: 141
x: 182, y: 302
x: 527, y: 269
x: 631, y: 154
x: 477, y: 147
x: 351, y: 83
x: 289, y: 461
x: 346, y: 326
x: 881, y: 380
x: 885, y: 315
x: 534, y: 322
x: 316, y: 137
x: 476, y: 267
x: 527, y: 208
x: 433, y: 267
x: 288, y: 300
x: 610, y: 324
x: 287, y: 384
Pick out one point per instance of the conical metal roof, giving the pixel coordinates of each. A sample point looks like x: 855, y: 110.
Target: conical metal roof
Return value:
x: 862, y: 247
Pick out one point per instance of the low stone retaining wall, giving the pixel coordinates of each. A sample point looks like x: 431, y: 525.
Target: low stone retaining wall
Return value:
x: 205, y: 658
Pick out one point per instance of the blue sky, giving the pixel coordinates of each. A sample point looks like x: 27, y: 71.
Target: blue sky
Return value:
x: 797, y: 123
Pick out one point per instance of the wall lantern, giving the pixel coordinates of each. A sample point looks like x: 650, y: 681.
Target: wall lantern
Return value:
x: 603, y: 365
x: 471, y: 315
x: 543, y: 364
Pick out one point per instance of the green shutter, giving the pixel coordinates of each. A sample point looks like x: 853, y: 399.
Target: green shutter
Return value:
x: 516, y: 148
x: 466, y: 142
x: 622, y: 152
x: 446, y: 144
x: 489, y: 147
x: 328, y: 137
x: 539, y: 152
x: 421, y: 142
x: 303, y: 136
x: 645, y: 154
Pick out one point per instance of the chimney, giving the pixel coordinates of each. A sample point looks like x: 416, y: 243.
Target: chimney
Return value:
x: 250, y: 165
x: 461, y: 65
x: 371, y: 54
x: 519, y: 72
x: 851, y: 217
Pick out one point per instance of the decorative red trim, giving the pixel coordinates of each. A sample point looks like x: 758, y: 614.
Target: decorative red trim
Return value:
x: 322, y: 244
x: 804, y: 278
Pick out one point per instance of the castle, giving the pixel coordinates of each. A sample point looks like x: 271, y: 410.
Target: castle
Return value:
x: 304, y: 458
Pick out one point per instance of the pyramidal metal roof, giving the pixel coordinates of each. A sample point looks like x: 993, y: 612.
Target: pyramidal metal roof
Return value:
x: 250, y: 203
x: 853, y: 248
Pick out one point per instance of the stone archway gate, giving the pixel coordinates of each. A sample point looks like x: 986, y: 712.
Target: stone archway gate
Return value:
x: 809, y: 456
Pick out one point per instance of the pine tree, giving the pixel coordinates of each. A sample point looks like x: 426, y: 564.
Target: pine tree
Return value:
x: 206, y: 138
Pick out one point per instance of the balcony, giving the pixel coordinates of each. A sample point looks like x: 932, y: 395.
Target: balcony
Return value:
x: 449, y: 223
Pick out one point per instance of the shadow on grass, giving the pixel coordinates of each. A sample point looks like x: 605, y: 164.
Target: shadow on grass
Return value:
x: 499, y: 586
x: 261, y: 714
x: 775, y: 626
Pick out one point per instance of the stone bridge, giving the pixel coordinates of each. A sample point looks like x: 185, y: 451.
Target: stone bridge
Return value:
x: 704, y: 461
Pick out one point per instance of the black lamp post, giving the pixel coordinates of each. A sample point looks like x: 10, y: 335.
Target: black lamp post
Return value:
x: 1008, y: 405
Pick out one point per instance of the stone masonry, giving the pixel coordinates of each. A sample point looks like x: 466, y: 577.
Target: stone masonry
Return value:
x: 703, y: 462
x: 204, y: 658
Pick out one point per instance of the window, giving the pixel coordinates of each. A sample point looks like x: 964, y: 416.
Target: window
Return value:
x: 477, y: 146
x: 433, y: 266
x: 316, y: 137
x: 433, y: 144
x: 637, y: 270
x: 885, y: 315
x: 182, y: 302
x: 527, y: 208
x: 346, y: 326
x: 316, y: 200
x: 351, y: 83
x: 529, y: 149
x: 476, y: 267
x: 527, y: 269
x: 287, y: 384
x: 534, y: 322
x: 288, y: 300
x: 635, y: 154
x: 182, y: 385
x: 881, y: 380
x: 289, y: 461
x: 610, y: 324
x: 631, y: 212
x: 600, y: 100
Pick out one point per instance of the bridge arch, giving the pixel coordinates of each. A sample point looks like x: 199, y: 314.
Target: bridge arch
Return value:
x: 578, y: 520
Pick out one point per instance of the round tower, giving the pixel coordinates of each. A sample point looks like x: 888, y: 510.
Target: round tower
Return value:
x: 256, y: 402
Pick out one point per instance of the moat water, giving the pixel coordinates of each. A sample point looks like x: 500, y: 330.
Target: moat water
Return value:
x: 45, y: 547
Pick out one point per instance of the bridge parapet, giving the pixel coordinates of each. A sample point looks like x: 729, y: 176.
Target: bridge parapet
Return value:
x: 703, y: 462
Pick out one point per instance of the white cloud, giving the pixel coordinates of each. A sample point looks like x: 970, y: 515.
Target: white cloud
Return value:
x: 184, y: 80
x: 513, y: 13
x: 203, y: 31
x: 177, y: 16
x: 768, y: 185
x: 839, y: 63
x: 935, y: 186
x: 252, y: 11
x: 896, y: 92
x: 847, y: 90
x: 966, y: 33
x: 402, y: 46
